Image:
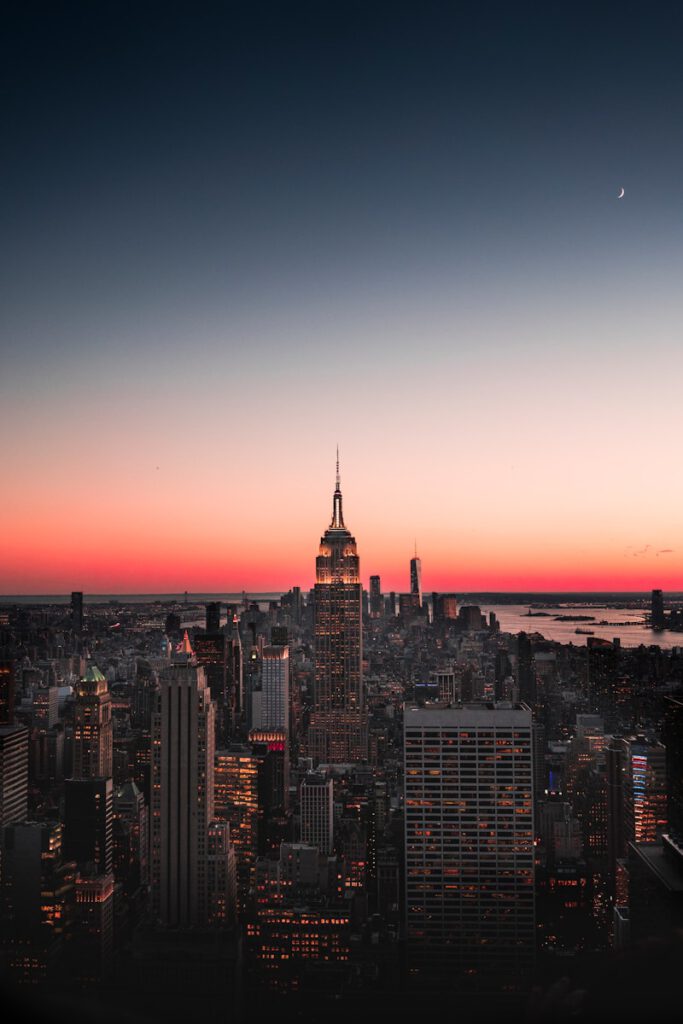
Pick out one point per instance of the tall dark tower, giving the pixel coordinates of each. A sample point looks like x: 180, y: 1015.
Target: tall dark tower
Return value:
x: 77, y: 611
x: 338, y: 724
x: 416, y: 581
x: 213, y: 617
x: 658, y: 618
x: 376, y: 603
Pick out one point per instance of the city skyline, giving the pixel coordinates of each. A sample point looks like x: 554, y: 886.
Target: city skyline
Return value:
x: 204, y: 214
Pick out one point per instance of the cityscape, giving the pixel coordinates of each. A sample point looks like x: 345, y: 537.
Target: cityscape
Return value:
x: 340, y: 801
x: 341, y: 587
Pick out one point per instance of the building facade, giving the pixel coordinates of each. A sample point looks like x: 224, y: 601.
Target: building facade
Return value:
x: 469, y: 843
x: 183, y: 725
x: 93, y: 728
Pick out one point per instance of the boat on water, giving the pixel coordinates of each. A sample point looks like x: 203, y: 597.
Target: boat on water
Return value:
x: 585, y: 632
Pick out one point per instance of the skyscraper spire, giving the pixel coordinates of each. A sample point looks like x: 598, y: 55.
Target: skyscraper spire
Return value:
x: 337, y: 517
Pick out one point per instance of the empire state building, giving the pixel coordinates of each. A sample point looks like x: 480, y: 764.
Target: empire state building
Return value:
x: 338, y: 725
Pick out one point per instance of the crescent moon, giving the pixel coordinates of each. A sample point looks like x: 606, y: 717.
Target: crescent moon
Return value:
x: 621, y: 194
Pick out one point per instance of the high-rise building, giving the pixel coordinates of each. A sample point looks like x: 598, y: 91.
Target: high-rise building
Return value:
x: 7, y: 684
x: 673, y: 741
x: 36, y: 891
x: 13, y: 773
x: 237, y: 803
x: 183, y: 729
x: 93, y: 728
x: 77, y: 611
x: 211, y: 652
x: 526, y: 672
x: 131, y: 837
x: 644, y: 765
x: 376, y: 602
x: 316, y: 797
x: 88, y: 820
x: 469, y: 835
x: 338, y: 723
x: 235, y: 680
x: 416, y: 581
x: 221, y: 876
x: 275, y: 689
x: 94, y: 927
x: 45, y: 703
x: 213, y: 617
x: 657, y: 619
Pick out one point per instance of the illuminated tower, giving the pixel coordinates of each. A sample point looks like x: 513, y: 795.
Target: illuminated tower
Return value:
x: 93, y: 729
x: 338, y: 724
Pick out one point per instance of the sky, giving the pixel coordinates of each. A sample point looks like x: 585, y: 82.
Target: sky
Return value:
x: 237, y: 236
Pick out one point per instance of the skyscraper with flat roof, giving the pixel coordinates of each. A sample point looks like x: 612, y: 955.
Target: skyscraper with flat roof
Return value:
x: 338, y: 723
x: 469, y: 843
x: 183, y: 739
x: 77, y: 611
x: 317, y: 812
x: 376, y: 602
x: 275, y: 688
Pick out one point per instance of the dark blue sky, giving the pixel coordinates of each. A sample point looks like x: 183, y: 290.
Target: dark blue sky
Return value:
x: 157, y: 154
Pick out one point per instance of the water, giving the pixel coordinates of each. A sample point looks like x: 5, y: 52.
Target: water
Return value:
x: 513, y: 618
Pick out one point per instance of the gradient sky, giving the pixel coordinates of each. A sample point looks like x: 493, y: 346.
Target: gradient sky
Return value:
x: 235, y: 237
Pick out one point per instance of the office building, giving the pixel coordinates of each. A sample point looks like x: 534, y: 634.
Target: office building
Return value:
x: 213, y: 617
x: 316, y: 798
x: 235, y: 702
x: 376, y: 601
x: 274, y: 689
x: 13, y: 773
x: 237, y: 803
x: 673, y: 742
x: 45, y: 704
x: 221, y: 876
x: 130, y: 837
x: 93, y: 728
x: 183, y: 725
x: 7, y: 685
x: 469, y: 843
x: 77, y: 611
x: 338, y: 722
x: 88, y: 823
x: 93, y: 938
x: 657, y: 617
